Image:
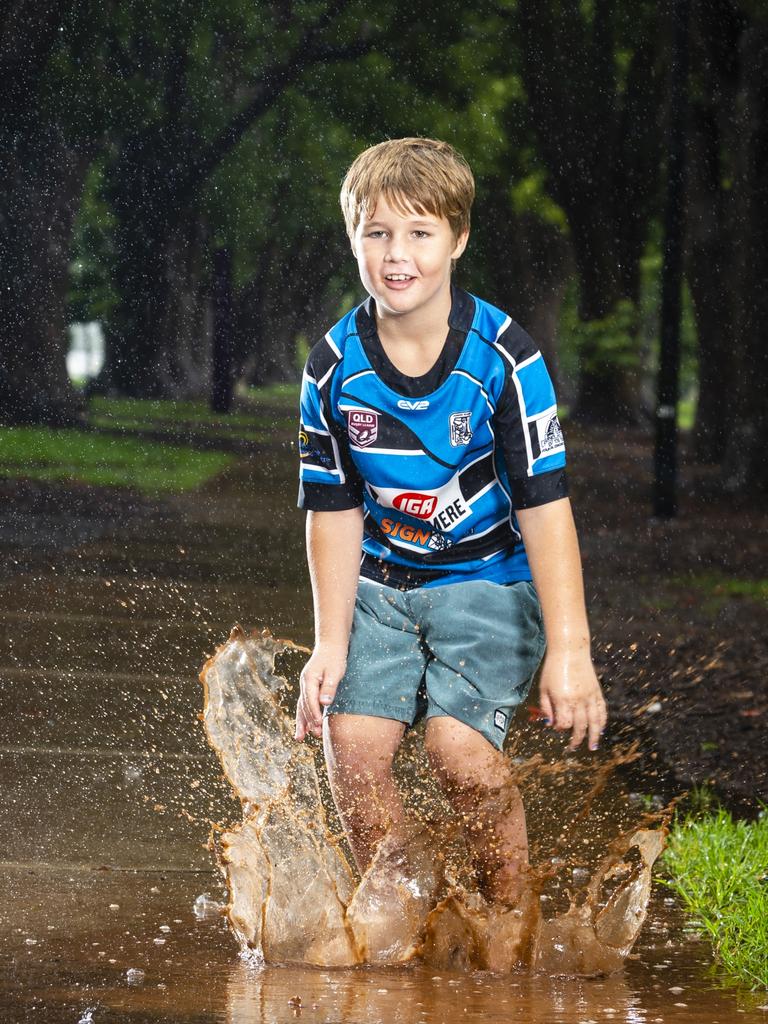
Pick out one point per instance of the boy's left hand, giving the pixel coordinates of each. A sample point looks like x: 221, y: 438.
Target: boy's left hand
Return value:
x: 571, y: 698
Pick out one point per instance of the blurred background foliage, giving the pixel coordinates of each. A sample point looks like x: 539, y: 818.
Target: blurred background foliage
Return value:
x: 142, y: 138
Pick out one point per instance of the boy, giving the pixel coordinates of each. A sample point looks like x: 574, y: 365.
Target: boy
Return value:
x: 430, y: 444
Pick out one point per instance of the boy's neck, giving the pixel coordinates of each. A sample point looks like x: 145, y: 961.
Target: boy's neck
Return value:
x: 423, y: 328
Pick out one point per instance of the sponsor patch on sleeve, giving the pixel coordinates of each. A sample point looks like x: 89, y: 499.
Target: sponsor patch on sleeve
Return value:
x: 550, y: 434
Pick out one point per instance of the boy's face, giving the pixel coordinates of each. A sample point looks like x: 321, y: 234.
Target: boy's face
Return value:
x: 404, y: 259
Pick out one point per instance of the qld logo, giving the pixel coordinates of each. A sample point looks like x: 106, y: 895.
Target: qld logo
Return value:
x: 421, y: 506
x: 362, y: 427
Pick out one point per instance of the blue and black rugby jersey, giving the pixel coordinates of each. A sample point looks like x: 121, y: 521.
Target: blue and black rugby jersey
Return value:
x: 441, y: 461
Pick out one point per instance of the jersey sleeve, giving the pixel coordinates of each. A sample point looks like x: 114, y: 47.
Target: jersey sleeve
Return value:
x: 526, y: 422
x: 328, y: 478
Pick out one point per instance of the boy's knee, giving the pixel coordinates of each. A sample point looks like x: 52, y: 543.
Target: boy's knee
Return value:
x: 356, y: 753
x: 462, y: 756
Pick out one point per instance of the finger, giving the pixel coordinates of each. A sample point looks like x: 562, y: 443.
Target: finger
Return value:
x: 579, y: 727
x: 563, y: 716
x: 596, y: 724
x: 301, y: 722
x: 328, y: 689
x: 310, y: 687
x: 546, y: 706
x: 603, y: 714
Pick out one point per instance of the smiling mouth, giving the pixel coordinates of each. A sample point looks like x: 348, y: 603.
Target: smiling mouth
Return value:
x: 398, y: 277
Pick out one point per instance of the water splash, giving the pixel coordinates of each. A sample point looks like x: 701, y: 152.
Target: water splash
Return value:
x: 293, y: 896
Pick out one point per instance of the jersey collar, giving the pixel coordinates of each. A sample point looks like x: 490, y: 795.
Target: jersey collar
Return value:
x: 459, y: 324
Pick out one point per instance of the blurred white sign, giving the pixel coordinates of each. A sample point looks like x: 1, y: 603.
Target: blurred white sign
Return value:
x: 86, y: 350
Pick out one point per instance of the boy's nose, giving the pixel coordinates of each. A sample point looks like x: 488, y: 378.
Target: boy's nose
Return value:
x: 396, y: 252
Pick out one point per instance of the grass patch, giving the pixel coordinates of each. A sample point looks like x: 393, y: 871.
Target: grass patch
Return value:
x: 41, y: 453
x: 718, y: 588
x: 266, y: 412
x: 719, y: 868
x: 281, y: 394
x: 261, y: 416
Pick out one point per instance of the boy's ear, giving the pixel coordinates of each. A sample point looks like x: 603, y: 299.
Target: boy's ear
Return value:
x: 461, y: 244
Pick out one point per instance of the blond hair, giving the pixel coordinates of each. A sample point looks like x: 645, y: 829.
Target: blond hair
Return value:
x: 424, y: 175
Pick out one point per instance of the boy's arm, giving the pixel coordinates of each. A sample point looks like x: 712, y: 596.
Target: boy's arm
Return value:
x: 570, y: 692
x: 334, y: 543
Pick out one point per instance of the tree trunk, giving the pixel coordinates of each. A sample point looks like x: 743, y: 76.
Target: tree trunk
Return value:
x: 274, y: 309
x: 709, y: 277
x: 745, y: 468
x: 598, y: 145
x: 158, y: 345
x: 530, y: 262
x: 44, y: 178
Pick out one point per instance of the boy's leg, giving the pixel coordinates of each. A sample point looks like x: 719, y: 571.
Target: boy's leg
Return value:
x: 364, y: 725
x: 479, y: 784
x: 486, y: 642
x: 359, y: 751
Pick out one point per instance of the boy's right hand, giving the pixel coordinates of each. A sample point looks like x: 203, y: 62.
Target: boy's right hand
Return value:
x: 319, y: 679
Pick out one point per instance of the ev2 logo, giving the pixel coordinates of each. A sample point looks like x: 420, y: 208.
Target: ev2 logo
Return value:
x: 413, y: 406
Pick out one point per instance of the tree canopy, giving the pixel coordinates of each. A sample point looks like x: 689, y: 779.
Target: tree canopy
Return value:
x: 141, y: 138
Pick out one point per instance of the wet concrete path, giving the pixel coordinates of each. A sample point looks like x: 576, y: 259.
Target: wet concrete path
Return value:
x: 109, y: 788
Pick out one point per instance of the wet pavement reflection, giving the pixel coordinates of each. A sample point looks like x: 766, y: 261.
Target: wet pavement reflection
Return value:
x: 109, y: 792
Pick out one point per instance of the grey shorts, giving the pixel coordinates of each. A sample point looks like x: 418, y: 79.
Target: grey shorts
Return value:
x: 464, y: 650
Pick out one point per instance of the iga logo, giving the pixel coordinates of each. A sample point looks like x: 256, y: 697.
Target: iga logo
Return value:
x: 362, y: 427
x: 414, y: 504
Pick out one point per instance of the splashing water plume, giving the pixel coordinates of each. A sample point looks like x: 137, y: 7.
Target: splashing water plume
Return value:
x: 293, y: 896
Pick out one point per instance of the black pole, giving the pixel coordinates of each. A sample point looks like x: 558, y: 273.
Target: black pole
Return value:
x: 665, y: 456
x: 222, y: 370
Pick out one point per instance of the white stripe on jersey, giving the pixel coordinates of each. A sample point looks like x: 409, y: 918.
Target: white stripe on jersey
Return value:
x: 333, y: 346
x: 542, y: 414
x: 335, y: 444
x: 481, y: 492
x: 326, y: 375
x: 492, y: 554
x: 504, y: 326
x: 387, y: 451
x: 529, y: 360
x: 520, y: 402
x: 320, y: 469
x: 397, y: 543
x: 483, y: 392
x: 356, y: 376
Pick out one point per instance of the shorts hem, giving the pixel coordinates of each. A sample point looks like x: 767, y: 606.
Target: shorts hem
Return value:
x: 395, y: 715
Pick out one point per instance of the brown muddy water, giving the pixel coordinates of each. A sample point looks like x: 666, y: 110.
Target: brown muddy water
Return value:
x: 110, y: 895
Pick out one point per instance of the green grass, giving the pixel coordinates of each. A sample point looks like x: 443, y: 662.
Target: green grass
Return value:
x: 718, y: 589
x: 719, y: 868
x: 268, y: 411
x: 41, y: 453
x: 261, y: 415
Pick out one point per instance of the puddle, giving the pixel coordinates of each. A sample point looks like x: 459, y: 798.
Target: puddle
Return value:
x: 293, y: 896
x: 93, y: 742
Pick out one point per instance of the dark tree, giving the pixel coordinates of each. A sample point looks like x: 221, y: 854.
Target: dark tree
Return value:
x: 599, y: 140
x: 728, y: 237
x: 154, y: 185
x: 43, y: 164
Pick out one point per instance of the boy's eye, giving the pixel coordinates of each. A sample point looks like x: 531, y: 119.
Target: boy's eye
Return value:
x: 421, y: 234
x: 375, y: 234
